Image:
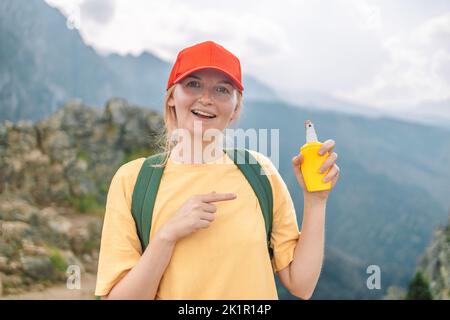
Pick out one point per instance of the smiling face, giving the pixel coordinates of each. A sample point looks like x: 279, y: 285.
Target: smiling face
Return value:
x: 206, y: 96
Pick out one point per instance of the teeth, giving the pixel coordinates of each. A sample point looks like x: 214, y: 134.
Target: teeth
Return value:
x: 203, y: 113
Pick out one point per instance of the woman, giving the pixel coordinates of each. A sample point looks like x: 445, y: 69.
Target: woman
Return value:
x: 207, y: 236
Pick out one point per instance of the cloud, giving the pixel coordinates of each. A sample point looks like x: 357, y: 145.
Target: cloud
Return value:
x: 100, y: 11
x: 418, y: 70
x: 386, y: 54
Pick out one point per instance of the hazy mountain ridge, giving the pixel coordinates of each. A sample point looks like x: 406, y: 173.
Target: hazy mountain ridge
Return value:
x: 43, y: 64
x: 389, y: 197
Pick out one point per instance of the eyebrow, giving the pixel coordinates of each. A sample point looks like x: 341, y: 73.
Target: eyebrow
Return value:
x: 222, y: 81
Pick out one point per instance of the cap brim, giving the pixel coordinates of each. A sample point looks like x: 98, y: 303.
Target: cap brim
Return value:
x: 185, y: 74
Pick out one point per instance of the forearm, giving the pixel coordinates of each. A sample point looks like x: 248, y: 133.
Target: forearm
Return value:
x: 308, y: 255
x: 142, y: 281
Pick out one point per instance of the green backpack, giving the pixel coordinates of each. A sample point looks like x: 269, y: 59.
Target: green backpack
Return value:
x: 149, y: 178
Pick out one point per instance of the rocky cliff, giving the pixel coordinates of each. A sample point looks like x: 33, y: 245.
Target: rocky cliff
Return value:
x: 435, y: 263
x: 432, y: 276
x: 54, y: 177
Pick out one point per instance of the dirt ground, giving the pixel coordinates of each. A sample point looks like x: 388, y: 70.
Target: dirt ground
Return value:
x: 61, y: 292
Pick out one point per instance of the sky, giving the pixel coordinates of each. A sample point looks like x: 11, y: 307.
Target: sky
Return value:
x: 385, y: 55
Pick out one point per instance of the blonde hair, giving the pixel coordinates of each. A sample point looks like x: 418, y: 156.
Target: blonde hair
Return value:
x: 165, y: 141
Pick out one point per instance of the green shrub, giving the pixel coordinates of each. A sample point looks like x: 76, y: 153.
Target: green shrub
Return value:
x: 86, y: 203
x: 83, y: 155
x: 58, y: 261
x: 138, y: 153
x: 419, y: 288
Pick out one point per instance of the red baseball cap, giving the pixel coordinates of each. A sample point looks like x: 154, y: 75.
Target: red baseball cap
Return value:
x: 206, y: 55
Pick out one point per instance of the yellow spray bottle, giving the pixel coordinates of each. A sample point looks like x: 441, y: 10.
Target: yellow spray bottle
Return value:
x: 312, y: 161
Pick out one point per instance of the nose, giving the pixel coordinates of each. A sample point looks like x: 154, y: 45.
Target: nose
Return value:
x: 205, y: 97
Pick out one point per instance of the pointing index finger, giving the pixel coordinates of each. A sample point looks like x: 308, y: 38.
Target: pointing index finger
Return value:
x: 213, y: 197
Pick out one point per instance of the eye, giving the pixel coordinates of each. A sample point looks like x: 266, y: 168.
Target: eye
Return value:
x: 223, y: 90
x: 193, y: 84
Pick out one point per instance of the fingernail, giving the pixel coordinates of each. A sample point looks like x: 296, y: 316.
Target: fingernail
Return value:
x: 325, y: 179
x: 320, y: 171
x: 320, y: 152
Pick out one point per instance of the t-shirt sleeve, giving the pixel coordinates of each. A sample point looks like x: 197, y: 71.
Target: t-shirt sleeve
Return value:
x: 120, y: 248
x: 285, y: 231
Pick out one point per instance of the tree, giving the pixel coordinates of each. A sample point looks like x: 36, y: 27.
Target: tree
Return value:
x: 419, y: 288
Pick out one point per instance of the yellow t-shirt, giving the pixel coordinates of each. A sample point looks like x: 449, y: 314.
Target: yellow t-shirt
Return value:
x: 228, y: 260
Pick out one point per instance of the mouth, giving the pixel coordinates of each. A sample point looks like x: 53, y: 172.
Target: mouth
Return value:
x: 202, y: 114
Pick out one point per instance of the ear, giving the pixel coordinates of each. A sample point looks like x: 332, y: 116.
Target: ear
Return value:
x: 236, y: 112
x: 171, y: 101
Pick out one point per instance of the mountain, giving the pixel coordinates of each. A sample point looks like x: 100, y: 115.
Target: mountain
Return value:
x: 435, y: 113
x: 43, y: 64
x: 431, y: 279
x: 321, y: 101
x: 428, y: 113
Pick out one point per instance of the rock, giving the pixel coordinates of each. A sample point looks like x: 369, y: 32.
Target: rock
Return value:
x: 13, y: 208
x: 434, y: 263
x: 36, y: 157
x: 79, y: 180
x: 116, y: 111
x: 11, y: 283
x: 3, y: 133
x: 3, y: 264
x: 1, y: 285
x: 29, y: 248
x: 38, y: 267
x: 15, y: 266
x: 71, y: 260
x: 395, y: 293
x: 56, y: 222
x: 60, y: 147
x: 21, y: 138
x: 64, y: 161
x: 60, y: 225
x: 79, y: 148
x: 95, y: 255
x: 49, y: 213
x: 90, y: 262
x: 14, y: 230
x: 78, y: 239
x: 78, y: 119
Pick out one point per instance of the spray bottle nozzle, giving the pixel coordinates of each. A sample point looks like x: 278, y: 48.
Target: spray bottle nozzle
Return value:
x: 311, y: 135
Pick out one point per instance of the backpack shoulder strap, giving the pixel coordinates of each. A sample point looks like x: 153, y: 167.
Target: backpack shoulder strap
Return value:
x: 260, y: 184
x: 144, y: 196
